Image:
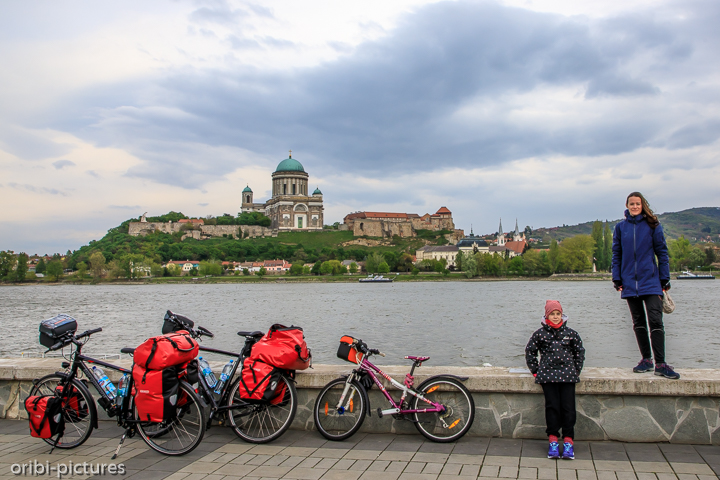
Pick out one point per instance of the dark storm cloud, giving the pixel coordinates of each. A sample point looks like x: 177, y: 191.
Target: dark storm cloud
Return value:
x: 392, y: 105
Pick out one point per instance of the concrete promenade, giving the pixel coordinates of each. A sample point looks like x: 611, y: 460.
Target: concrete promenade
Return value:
x: 306, y: 455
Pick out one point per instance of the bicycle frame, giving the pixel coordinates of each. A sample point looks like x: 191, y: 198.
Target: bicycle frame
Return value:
x: 215, y: 406
x: 372, y: 370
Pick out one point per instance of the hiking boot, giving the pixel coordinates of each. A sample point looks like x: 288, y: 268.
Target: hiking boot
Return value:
x: 554, y: 450
x: 645, y: 365
x: 665, y: 370
x: 568, y: 451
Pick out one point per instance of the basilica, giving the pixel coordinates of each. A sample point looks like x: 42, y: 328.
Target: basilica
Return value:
x: 291, y: 207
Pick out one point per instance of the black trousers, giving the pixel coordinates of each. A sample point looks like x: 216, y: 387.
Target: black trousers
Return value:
x: 653, y: 305
x: 560, y: 408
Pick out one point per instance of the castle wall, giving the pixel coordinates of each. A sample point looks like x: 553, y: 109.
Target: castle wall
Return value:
x: 382, y: 227
x: 205, y: 231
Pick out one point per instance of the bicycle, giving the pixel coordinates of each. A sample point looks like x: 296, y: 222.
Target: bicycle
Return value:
x: 441, y: 408
x: 172, y: 437
x: 255, y: 421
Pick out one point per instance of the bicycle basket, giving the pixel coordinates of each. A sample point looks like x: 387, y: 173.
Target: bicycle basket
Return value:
x: 348, y: 351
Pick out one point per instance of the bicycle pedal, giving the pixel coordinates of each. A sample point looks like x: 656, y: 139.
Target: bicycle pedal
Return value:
x: 379, y: 412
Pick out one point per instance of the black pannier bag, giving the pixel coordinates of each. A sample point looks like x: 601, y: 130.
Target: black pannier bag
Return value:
x: 54, y: 328
x: 170, y: 327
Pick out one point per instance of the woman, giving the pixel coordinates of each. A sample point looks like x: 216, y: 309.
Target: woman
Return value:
x: 636, y: 242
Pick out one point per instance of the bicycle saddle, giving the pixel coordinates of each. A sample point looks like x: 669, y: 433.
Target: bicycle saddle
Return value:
x: 417, y: 359
x: 127, y: 350
x: 256, y: 333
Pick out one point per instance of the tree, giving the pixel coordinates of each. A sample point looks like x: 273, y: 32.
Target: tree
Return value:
x: 710, y: 256
x: 262, y: 272
x: 246, y: 271
x: 373, y: 261
x: 471, y: 266
x: 40, y: 266
x: 97, y: 265
x: 173, y: 270
x: 212, y: 267
x: 383, y: 267
x: 21, y: 268
x: 405, y: 263
x: 554, y: 256
x: 415, y: 271
x: 7, y: 262
x: 599, y: 251
x: 315, y: 270
x: 516, y: 265
x: 460, y: 261
x: 353, y: 267
x: 576, y: 253
x: 81, y: 270
x: 55, y: 269
x: 532, y: 262
x: 607, y: 247
x: 295, y: 269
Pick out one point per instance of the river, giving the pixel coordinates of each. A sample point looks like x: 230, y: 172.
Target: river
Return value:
x: 455, y: 323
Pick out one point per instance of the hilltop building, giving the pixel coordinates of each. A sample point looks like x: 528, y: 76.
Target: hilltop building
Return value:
x: 291, y: 207
x: 384, y: 224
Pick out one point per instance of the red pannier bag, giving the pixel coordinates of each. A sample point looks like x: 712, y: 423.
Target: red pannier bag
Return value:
x: 283, y: 347
x: 156, y: 393
x: 46, y: 416
x: 260, y: 381
x: 168, y: 350
x: 74, y: 407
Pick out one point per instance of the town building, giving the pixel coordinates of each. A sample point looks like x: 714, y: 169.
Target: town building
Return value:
x: 291, y: 207
x: 438, y: 252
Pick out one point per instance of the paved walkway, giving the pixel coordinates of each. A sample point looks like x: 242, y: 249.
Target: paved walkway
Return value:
x: 300, y: 455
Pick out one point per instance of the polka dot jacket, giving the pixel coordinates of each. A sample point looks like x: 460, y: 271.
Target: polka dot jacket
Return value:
x: 561, y: 354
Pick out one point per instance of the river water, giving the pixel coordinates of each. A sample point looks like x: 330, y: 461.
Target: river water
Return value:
x: 455, y: 323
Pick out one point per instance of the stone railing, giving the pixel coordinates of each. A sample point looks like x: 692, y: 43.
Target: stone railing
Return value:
x: 612, y: 404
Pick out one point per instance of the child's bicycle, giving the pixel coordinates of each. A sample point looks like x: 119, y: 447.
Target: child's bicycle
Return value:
x: 441, y: 408
x: 173, y: 437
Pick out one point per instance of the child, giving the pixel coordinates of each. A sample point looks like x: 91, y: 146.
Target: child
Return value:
x: 561, y: 359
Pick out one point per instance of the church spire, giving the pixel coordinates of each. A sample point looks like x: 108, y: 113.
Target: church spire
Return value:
x: 501, y: 235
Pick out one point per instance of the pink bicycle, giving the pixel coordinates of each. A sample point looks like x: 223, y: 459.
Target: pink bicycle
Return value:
x: 441, y: 408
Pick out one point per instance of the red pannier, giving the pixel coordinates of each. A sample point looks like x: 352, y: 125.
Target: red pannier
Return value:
x: 260, y: 381
x: 156, y: 393
x: 74, y: 407
x: 283, y: 347
x: 168, y: 350
x: 46, y: 416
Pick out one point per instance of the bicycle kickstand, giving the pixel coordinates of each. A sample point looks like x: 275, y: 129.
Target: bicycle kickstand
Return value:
x: 122, y: 439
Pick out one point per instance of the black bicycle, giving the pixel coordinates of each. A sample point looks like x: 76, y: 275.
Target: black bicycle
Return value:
x: 177, y: 436
x: 255, y: 421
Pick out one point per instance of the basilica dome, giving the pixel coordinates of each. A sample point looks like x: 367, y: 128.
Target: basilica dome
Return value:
x: 289, y: 165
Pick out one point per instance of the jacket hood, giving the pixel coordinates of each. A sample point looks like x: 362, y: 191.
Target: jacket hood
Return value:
x: 564, y: 319
x: 634, y: 218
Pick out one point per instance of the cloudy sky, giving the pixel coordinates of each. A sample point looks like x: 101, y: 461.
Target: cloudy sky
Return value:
x: 548, y: 111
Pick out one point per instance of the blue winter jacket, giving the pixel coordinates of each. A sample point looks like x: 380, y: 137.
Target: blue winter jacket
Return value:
x: 635, y: 246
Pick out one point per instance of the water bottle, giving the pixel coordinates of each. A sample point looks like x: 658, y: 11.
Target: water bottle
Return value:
x: 122, y: 389
x: 104, y: 382
x: 207, y: 372
x: 224, y: 376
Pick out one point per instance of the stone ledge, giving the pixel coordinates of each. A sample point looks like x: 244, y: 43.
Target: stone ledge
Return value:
x: 594, y: 381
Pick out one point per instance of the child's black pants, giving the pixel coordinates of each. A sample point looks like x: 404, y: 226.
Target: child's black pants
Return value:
x: 560, y: 408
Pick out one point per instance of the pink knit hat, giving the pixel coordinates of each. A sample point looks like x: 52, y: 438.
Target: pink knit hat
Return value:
x: 552, y: 305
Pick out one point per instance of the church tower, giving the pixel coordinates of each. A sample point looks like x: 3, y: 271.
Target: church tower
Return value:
x: 501, y: 235
x: 247, y: 196
x: 516, y: 234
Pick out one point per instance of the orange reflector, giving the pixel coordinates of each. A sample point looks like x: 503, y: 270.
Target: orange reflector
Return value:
x: 351, y: 405
x: 454, y: 424
x: 326, y: 409
x: 433, y: 389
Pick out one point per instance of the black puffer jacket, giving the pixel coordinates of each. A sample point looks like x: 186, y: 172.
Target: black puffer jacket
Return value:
x: 561, y: 354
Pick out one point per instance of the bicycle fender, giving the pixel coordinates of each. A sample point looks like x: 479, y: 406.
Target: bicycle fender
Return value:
x: 446, y: 375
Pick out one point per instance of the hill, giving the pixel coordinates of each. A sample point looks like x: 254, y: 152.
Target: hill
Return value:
x: 693, y: 224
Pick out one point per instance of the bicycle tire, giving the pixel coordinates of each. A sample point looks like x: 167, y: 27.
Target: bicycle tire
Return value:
x: 261, y: 421
x: 331, y: 423
x: 180, y: 435
x: 77, y: 427
x: 459, y: 404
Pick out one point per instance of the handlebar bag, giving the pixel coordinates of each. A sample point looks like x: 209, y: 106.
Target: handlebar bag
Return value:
x: 156, y: 393
x: 260, y: 381
x: 74, y: 406
x: 164, y: 351
x: 46, y: 416
x: 54, y: 328
x: 169, y: 326
x: 283, y: 347
x: 348, y: 351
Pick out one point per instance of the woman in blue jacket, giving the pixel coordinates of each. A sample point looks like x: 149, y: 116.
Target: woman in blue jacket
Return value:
x: 637, y: 241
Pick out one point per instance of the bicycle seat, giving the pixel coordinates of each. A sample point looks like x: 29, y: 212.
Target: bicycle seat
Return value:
x: 256, y: 333
x: 127, y: 350
x: 417, y: 359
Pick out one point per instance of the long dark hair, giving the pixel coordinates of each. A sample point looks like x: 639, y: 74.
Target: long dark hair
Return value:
x: 651, y: 218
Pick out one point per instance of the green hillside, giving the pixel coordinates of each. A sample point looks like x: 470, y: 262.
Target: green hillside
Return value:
x: 693, y: 224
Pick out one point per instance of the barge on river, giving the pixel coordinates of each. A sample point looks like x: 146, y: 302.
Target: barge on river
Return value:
x: 688, y: 275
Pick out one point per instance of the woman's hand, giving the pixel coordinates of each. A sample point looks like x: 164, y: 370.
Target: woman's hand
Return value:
x: 618, y: 285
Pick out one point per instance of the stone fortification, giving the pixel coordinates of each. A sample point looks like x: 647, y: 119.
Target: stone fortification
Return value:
x: 386, y: 225
x: 200, y: 232
x: 612, y: 403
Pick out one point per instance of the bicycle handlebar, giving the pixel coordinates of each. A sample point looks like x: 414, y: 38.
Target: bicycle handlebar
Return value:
x: 195, y: 333
x: 72, y: 338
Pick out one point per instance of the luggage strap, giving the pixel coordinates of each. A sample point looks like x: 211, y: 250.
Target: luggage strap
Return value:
x: 257, y: 384
x: 177, y: 347
x: 298, y: 349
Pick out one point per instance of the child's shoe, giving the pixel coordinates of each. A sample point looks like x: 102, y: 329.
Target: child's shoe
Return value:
x: 665, y: 370
x: 568, y: 451
x: 645, y: 365
x: 554, y: 450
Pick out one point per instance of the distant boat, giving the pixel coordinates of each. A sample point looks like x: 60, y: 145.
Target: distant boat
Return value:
x: 688, y: 275
x: 375, y: 279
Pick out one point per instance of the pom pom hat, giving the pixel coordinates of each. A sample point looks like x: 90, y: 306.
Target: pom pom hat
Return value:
x: 552, y: 305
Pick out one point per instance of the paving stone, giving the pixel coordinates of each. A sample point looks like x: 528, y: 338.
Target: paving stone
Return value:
x: 276, y: 460
x: 298, y: 451
x: 586, y: 474
x: 341, y: 475
x: 645, y: 476
x: 567, y: 474
x: 417, y: 476
x: 501, y: 461
x: 470, y: 470
x: 310, y: 462
x: 666, y: 476
x: 625, y: 475
x: 201, y: 467
x: 490, y: 471
x: 292, y: 461
x: 414, y: 467
x: 343, y: 465
x: 258, y: 460
x: 395, y: 455
x: 606, y: 475
x: 380, y: 476
x: 235, y: 470
x: 433, y: 468
x: 265, y: 471
x: 528, y: 472
x: 361, y: 465
x: 687, y: 476
x: 694, y: 468
x: 430, y: 457
x: 378, y: 465
x: 451, y: 469
x: 507, y: 471
x: 653, y: 467
x: 396, y: 466
x: 613, y: 465
x: 538, y: 462
x: 547, y: 473
x: 302, y: 473
x: 575, y: 465
x: 456, y: 477
x: 326, y: 463
x: 362, y: 454
x: 465, y: 459
x: 330, y: 452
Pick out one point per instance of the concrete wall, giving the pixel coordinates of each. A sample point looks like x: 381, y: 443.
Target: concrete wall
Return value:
x: 612, y: 404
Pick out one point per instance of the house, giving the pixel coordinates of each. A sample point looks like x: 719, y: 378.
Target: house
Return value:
x: 185, y: 265
x: 438, y: 252
x: 276, y: 266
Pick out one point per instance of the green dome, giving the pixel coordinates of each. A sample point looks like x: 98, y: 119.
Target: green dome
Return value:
x: 247, y: 190
x: 317, y: 191
x: 289, y: 165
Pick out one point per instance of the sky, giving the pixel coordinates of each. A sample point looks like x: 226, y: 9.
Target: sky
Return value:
x: 549, y: 112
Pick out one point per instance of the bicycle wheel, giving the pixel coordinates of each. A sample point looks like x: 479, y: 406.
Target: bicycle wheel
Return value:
x: 180, y: 435
x: 459, y: 409
x: 340, y: 423
x: 261, y: 421
x: 79, y: 416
